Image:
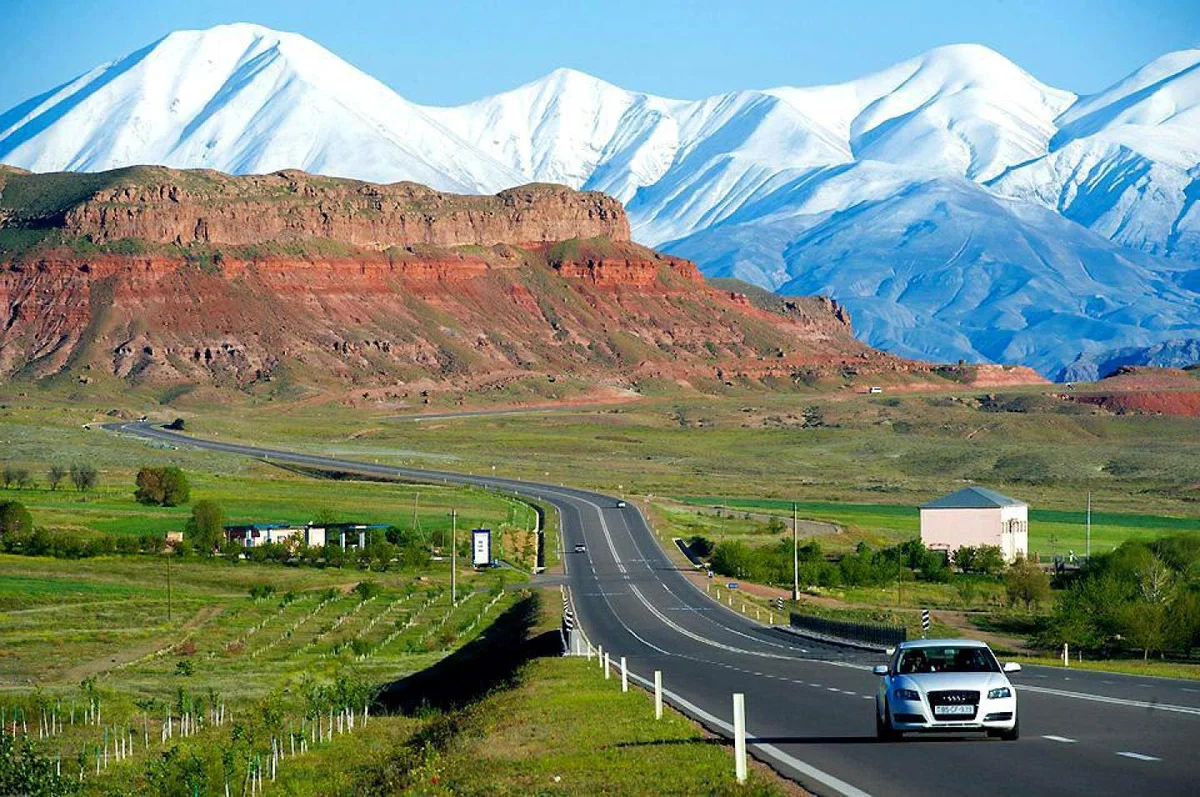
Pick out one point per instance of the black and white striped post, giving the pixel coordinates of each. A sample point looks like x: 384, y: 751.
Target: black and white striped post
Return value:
x: 924, y: 623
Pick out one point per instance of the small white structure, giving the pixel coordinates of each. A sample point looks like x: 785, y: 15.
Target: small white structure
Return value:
x: 976, y: 516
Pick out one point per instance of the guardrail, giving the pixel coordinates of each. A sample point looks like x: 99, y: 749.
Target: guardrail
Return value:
x: 871, y: 633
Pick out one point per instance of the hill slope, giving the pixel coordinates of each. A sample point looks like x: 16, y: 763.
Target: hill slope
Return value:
x: 285, y: 280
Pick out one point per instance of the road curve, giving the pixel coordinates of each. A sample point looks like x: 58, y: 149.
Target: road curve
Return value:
x: 808, y: 705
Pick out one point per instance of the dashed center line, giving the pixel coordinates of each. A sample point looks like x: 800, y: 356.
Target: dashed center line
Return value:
x: 1062, y: 739
x: 1139, y: 756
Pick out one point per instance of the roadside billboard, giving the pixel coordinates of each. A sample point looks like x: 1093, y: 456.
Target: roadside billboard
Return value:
x: 481, y: 547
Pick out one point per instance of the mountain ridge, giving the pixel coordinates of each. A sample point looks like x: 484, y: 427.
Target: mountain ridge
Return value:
x: 749, y: 175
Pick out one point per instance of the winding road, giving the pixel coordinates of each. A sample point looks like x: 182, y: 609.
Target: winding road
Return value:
x: 808, y: 705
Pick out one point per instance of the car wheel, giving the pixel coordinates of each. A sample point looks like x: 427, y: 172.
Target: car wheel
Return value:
x: 1014, y: 734
x: 884, y: 731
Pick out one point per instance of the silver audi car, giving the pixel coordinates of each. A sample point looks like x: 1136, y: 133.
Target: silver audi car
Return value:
x: 947, y: 685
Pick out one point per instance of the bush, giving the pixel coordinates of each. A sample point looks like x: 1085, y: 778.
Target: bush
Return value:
x: 700, y: 545
x: 367, y: 589
x: 14, y: 519
x: 1026, y: 583
x: 261, y: 592
x: 162, y: 487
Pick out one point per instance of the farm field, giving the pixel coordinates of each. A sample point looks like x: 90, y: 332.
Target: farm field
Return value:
x: 1051, y: 531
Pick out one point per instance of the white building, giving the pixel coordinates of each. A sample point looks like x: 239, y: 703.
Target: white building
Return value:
x: 976, y: 516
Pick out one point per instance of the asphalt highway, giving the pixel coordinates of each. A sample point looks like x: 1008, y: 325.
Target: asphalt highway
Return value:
x: 809, y: 706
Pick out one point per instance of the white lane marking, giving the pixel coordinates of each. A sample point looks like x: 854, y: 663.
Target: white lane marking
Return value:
x: 1184, y: 688
x: 850, y: 692
x: 867, y: 697
x: 769, y: 750
x: 1062, y: 739
x: 1107, y: 682
x: 1139, y: 756
x: 1116, y: 701
x: 833, y: 689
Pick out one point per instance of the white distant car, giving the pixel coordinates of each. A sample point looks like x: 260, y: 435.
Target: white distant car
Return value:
x: 954, y: 685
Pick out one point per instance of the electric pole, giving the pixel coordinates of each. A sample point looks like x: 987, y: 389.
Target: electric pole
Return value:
x: 1088, y: 543
x: 169, y: 552
x: 454, y: 556
x: 795, y: 555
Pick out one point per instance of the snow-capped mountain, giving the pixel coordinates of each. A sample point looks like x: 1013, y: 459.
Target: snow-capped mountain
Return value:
x: 241, y: 99
x: 957, y: 205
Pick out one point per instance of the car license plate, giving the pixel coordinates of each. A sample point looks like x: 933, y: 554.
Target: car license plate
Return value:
x: 953, y: 710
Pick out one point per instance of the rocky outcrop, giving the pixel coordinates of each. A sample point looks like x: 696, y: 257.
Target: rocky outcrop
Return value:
x: 156, y: 276
x: 164, y: 206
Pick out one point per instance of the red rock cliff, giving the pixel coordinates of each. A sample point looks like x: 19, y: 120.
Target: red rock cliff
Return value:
x: 165, y: 206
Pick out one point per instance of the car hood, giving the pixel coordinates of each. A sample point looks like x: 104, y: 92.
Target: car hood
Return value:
x: 936, y: 681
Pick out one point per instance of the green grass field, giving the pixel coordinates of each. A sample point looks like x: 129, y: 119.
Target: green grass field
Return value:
x: 1051, y: 531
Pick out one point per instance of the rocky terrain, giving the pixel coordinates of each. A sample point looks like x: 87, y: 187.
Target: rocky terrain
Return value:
x: 151, y: 275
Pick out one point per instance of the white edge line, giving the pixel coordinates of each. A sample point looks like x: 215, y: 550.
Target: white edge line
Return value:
x: 1116, y: 701
x: 768, y: 750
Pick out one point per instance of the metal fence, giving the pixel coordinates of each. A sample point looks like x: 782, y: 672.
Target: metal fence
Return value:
x: 871, y: 633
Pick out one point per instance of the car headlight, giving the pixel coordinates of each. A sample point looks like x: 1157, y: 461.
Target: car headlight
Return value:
x: 997, y: 694
x: 906, y: 694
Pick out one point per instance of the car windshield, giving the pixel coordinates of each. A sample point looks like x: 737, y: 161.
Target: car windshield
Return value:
x: 937, y: 658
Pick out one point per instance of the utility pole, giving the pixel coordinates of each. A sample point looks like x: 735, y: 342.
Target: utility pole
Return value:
x: 169, y: 553
x: 454, y: 556
x: 795, y: 555
x: 1088, y: 544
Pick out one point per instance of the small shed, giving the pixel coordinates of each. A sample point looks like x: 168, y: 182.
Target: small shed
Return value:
x: 976, y: 516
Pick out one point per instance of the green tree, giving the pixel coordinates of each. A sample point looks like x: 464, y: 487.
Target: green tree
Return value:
x: 55, y: 475
x: 84, y: 476
x: 14, y: 519
x: 205, y: 529
x: 162, y: 487
x: 1026, y: 583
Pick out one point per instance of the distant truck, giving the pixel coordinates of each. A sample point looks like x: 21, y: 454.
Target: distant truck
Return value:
x: 875, y: 389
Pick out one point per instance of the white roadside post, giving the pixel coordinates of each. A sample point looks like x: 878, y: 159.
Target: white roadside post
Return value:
x: 739, y: 736
x: 589, y: 649
x: 607, y: 671
x: 624, y: 676
x: 658, y: 694
x: 1066, y: 656
x: 600, y: 656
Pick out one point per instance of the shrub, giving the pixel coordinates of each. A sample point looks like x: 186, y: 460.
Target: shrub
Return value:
x: 1026, y: 583
x: 261, y: 592
x: 14, y: 519
x: 367, y: 589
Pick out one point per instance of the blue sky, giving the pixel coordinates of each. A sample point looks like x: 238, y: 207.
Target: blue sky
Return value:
x: 448, y: 52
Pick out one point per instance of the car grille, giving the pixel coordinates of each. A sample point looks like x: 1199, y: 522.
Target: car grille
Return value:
x: 955, y: 697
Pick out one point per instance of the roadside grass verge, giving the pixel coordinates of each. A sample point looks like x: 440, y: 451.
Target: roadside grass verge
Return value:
x: 1151, y: 668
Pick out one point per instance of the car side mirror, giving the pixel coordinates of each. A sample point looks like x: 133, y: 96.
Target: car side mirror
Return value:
x: 880, y: 669
x: 1011, y: 666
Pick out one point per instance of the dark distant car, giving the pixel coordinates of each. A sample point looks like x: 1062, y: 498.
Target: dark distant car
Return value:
x: 580, y: 547
x: 731, y: 585
x: 620, y: 504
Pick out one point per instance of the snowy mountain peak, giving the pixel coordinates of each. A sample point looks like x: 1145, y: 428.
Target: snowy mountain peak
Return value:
x: 244, y: 99
x: 958, y: 205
